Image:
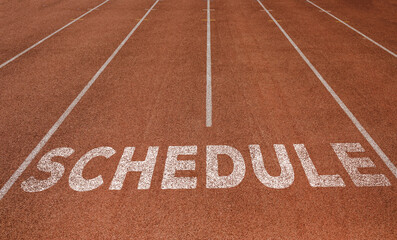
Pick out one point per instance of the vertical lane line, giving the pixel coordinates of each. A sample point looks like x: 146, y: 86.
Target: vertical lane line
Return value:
x: 46, y: 138
x: 209, y: 75
x: 358, y: 125
x: 352, y: 28
x: 52, y: 34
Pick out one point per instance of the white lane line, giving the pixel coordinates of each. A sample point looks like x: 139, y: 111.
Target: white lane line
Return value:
x: 209, y: 76
x: 352, y: 28
x: 52, y: 34
x: 49, y: 134
x: 360, y: 128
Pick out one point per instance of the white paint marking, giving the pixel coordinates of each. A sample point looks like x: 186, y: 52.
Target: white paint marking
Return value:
x: 352, y: 28
x: 52, y: 34
x: 352, y: 165
x: 315, y: 179
x: 45, y: 164
x: 127, y: 165
x: 172, y: 164
x: 76, y: 180
x: 286, y: 177
x: 209, y: 77
x: 233, y: 179
x: 358, y: 125
x: 46, y: 138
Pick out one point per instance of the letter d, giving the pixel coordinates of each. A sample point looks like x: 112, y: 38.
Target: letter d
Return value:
x: 213, y: 178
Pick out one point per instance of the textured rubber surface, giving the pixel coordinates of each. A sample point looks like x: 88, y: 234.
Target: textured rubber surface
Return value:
x: 154, y: 93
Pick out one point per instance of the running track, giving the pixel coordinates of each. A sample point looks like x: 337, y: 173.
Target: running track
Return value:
x: 165, y: 73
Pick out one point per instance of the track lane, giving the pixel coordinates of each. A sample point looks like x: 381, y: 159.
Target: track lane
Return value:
x: 359, y: 72
x: 289, y: 104
x: 24, y: 23
x: 153, y: 94
x: 38, y: 88
x: 374, y: 18
x: 130, y: 101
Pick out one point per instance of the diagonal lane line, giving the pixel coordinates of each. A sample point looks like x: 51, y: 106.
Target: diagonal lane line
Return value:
x: 49, y: 36
x: 358, y: 125
x: 352, y: 28
x: 46, y: 138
